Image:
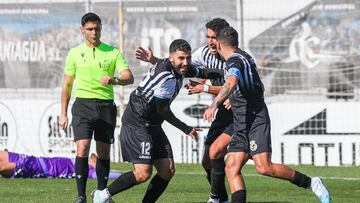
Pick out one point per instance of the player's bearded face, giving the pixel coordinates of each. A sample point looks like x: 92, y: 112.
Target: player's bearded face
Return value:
x: 180, y: 61
x: 211, y: 40
x: 92, y: 32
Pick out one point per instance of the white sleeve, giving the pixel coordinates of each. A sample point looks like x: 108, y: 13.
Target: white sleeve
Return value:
x: 197, y: 58
x: 165, y: 90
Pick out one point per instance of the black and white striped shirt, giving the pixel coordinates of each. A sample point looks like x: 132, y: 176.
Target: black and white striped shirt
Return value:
x: 203, y: 57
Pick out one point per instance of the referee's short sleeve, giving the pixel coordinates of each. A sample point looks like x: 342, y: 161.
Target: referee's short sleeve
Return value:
x: 70, y: 66
x: 121, y: 63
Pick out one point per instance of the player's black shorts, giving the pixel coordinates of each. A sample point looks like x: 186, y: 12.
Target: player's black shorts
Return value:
x: 94, y: 116
x: 221, y: 124
x: 252, y: 132
x: 143, y: 145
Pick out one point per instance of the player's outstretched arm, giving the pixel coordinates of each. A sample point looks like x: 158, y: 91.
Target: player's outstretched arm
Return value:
x: 162, y: 107
x: 146, y: 55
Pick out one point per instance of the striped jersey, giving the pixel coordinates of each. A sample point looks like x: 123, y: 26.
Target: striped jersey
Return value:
x: 162, y: 82
x: 203, y: 57
x: 249, y: 88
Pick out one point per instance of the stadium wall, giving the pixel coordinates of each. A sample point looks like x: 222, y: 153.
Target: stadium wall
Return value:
x: 311, y: 79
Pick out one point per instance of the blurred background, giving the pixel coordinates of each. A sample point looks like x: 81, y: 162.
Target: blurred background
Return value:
x: 308, y: 55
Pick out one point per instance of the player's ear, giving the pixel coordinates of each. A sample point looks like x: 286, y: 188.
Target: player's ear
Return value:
x: 171, y: 58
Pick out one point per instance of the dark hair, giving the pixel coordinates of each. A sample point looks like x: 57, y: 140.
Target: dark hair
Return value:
x: 90, y: 17
x: 216, y: 24
x: 228, y: 36
x: 179, y: 45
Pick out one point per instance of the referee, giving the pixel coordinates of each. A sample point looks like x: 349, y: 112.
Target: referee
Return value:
x: 90, y: 67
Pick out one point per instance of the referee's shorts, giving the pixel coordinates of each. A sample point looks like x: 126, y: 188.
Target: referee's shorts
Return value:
x: 94, y: 117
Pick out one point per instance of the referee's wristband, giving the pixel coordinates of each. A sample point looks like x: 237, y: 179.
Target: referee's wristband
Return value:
x: 206, y: 88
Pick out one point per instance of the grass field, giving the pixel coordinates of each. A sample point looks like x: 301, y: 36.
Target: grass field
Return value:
x: 189, y: 185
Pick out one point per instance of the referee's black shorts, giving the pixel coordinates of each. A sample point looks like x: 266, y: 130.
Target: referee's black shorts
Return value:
x: 94, y: 117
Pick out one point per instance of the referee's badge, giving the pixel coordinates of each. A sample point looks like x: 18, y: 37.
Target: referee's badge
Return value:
x: 253, y: 145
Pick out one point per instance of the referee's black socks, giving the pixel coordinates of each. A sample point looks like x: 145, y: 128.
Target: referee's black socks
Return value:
x: 156, y: 187
x: 102, y: 172
x: 301, y: 180
x: 81, y: 172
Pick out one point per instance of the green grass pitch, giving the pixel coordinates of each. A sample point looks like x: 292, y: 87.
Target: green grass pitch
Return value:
x: 189, y: 185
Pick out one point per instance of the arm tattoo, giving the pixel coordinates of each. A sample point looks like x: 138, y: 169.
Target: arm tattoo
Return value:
x: 224, y: 92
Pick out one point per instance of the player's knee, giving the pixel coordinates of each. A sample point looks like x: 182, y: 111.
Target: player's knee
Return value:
x: 206, y: 163
x: 142, y: 175
x: 216, y: 153
x: 167, y: 174
x: 265, y: 170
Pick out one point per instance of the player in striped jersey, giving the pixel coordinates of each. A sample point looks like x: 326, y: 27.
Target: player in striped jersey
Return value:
x: 251, y: 138
x: 143, y: 141
x: 221, y: 128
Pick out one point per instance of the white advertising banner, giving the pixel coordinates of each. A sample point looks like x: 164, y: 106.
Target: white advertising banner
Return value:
x: 302, y: 133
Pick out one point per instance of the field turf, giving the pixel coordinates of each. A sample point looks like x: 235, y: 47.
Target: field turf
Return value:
x: 189, y: 185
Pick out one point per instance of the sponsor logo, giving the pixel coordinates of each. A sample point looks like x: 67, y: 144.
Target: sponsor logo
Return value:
x: 55, y: 141
x: 8, y: 129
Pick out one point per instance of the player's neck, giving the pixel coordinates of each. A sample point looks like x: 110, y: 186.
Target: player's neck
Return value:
x: 228, y: 52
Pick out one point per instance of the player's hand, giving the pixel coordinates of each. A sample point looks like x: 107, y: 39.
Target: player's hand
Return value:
x: 193, y: 133
x: 209, y: 113
x: 106, y: 80
x: 63, y: 123
x: 227, y: 104
x: 144, y: 55
x: 194, y: 87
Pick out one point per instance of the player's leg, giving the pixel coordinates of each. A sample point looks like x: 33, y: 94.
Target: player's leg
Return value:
x: 264, y: 166
x: 7, y: 169
x: 216, y: 153
x: 164, y: 164
x: 206, y: 162
x: 140, y: 174
x: 260, y: 151
x: 234, y: 163
x: 217, y: 127
x: 136, y: 146
x: 165, y: 171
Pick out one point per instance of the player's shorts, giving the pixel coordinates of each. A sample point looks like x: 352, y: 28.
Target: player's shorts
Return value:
x: 143, y: 145
x: 94, y: 117
x: 252, y: 132
x: 223, y: 123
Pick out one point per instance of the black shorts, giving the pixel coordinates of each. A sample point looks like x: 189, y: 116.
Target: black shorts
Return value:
x: 94, y: 117
x: 252, y: 133
x: 143, y: 145
x: 223, y: 123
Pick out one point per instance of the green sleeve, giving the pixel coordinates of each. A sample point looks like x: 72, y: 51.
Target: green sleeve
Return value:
x: 121, y: 63
x: 70, y: 67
